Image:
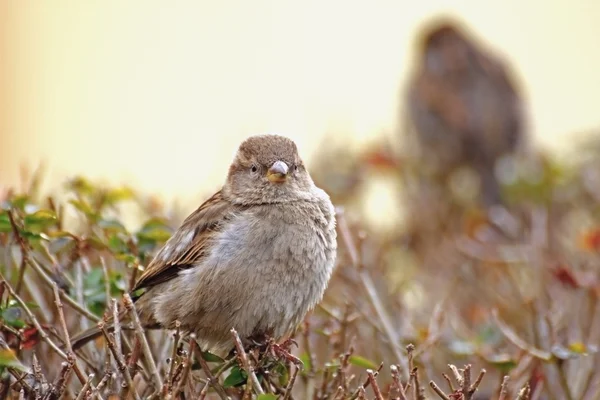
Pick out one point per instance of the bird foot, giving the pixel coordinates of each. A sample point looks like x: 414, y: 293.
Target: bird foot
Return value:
x: 283, y: 351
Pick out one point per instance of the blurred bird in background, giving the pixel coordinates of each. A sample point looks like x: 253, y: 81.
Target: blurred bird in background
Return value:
x: 465, y: 110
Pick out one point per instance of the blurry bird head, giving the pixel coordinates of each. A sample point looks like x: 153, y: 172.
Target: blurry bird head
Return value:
x: 445, y: 48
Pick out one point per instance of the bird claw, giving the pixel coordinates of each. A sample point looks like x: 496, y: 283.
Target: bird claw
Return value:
x: 282, y: 351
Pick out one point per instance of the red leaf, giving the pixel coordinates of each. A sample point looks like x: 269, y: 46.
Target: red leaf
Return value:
x: 566, y: 277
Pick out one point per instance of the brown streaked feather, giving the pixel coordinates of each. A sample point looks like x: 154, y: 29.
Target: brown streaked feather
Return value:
x: 202, y: 225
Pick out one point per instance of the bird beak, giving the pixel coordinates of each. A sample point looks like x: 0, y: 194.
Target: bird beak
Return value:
x: 278, y: 172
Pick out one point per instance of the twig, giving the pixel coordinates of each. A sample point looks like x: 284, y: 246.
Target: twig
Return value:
x: 101, y: 384
x: 439, y: 391
x: 186, y: 367
x: 366, y: 383
x: 214, y: 381
x: 449, y: 381
x: 63, y: 295
x: 419, y: 391
x: 524, y: 393
x: 517, y: 341
x: 59, y: 384
x: 290, y: 385
x: 23, y: 245
x: 139, y: 330
x: 42, y: 332
x: 504, y: 388
x: 168, y: 385
x: 371, y: 291
x: 120, y: 361
x: 61, y: 317
x: 473, y: 388
x: 397, y: 383
x: 85, y: 388
x: 361, y: 393
x: 245, y: 363
x: 374, y: 385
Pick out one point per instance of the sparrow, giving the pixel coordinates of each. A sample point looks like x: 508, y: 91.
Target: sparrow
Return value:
x: 257, y: 256
x: 463, y: 106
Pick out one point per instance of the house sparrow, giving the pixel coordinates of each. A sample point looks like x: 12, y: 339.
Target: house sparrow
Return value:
x: 256, y: 256
x: 464, y: 108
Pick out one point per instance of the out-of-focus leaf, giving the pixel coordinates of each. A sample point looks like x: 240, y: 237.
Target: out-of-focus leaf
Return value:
x: 267, y: 396
x: 117, y: 244
x: 94, y: 288
x: 5, y: 225
x: 503, y: 362
x: 31, y: 337
x: 40, y: 220
x: 462, y: 347
x: 362, y: 362
x: 118, y: 194
x: 18, y: 202
x: 85, y: 208
x: 111, y: 225
x: 8, y: 359
x: 128, y: 258
x: 565, y: 276
x: 32, y: 236
x: 64, y: 243
x: 304, y: 357
x: 80, y: 185
x: 236, y: 377
x: 13, y: 317
x: 95, y: 243
x: 564, y: 353
x: 155, y: 230
x: 590, y: 240
x: 578, y: 347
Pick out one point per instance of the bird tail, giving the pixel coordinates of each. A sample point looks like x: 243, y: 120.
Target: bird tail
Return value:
x: 88, y: 335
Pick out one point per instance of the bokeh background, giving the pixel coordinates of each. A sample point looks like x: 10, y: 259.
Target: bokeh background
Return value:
x: 167, y: 91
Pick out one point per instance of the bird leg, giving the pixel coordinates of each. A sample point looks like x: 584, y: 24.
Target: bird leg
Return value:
x: 283, y: 351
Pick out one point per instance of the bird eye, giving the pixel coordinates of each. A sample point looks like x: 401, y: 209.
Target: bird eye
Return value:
x: 254, y: 168
x: 295, y: 167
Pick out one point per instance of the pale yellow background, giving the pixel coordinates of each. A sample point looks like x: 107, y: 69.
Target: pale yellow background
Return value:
x: 167, y: 89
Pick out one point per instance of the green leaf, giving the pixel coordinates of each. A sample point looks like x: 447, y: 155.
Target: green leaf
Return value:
x: 210, y: 357
x: 306, y: 361
x: 80, y: 185
x: 85, y: 208
x: 111, y: 225
x: 155, y: 230
x: 117, y: 244
x: 236, y: 377
x: 362, y: 362
x: 5, y: 225
x: 118, y: 194
x: 502, y: 362
x: 267, y: 396
x: 8, y: 359
x: 33, y: 236
x: 12, y: 317
x: 18, y: 202
x: 40, y: 219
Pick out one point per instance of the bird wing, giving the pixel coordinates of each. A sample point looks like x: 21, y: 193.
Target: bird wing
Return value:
x: 189, y: 244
